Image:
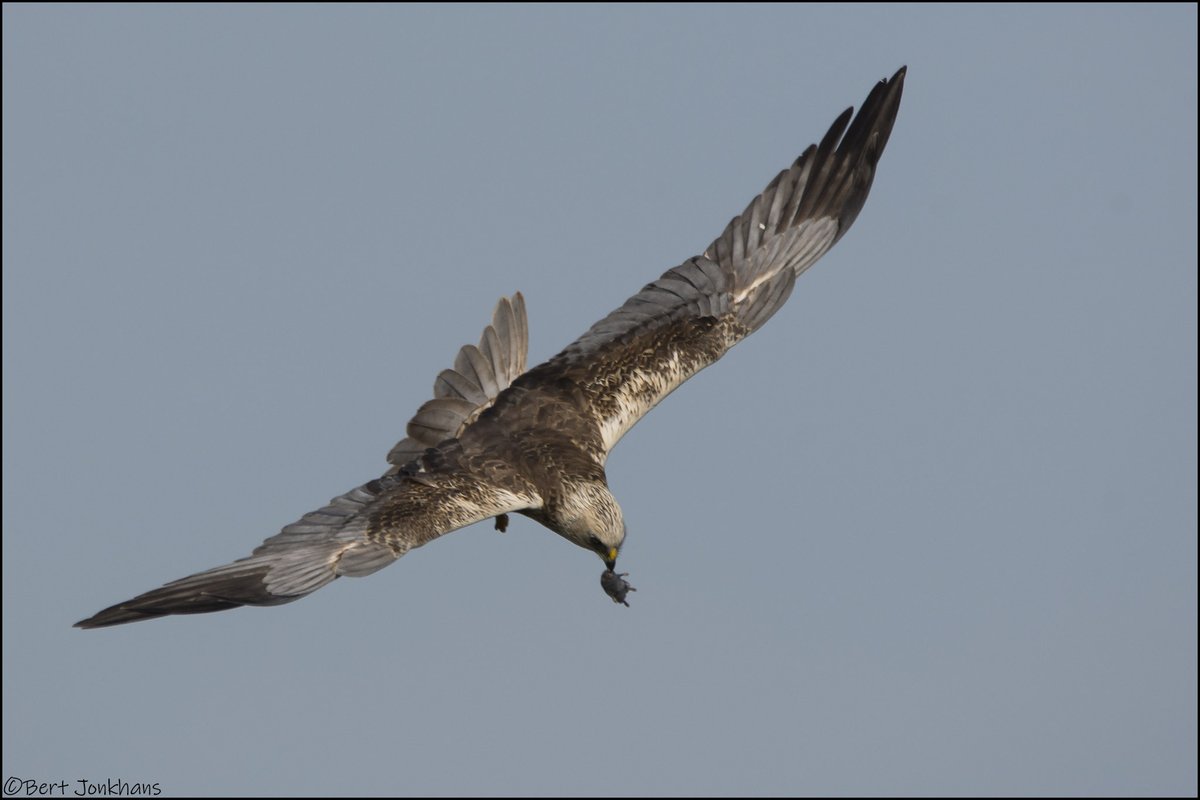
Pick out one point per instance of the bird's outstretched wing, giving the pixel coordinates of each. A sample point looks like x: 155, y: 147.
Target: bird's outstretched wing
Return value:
x: 359, y: 532
x: 688, y: 318
x: 480, y: 373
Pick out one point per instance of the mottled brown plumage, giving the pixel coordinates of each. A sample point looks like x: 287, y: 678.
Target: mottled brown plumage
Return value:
x: 497, y: 439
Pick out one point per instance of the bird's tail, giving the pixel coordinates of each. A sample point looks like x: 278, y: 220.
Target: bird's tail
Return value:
x: 480, y: 373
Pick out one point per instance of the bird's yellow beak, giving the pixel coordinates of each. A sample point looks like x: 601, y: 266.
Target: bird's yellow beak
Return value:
x: 610, y: 560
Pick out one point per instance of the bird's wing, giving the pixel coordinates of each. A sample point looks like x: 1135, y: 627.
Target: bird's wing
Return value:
x: 356, y: 534
x: 480, y: 373
x: 688, y: 318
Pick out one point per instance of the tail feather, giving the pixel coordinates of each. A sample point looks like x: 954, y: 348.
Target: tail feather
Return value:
x: 480, y: 373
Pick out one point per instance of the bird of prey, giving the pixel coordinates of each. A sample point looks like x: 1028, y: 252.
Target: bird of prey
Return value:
x: 497, y: 438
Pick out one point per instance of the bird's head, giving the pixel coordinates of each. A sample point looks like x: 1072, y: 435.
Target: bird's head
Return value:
x: 590, y: 517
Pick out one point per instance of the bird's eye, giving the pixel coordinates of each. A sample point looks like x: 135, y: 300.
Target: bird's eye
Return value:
x: 594, y: 542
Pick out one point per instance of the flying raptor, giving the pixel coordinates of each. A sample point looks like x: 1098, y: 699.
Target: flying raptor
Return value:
x: 497, y: 438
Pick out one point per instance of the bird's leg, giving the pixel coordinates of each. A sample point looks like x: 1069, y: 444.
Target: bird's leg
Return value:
x: 502, y: 522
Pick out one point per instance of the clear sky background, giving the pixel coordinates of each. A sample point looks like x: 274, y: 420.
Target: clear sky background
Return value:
x: 932, y: 530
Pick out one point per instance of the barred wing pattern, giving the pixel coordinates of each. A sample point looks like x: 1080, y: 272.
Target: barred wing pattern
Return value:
x: 356, y: 534
x: 629, y: 361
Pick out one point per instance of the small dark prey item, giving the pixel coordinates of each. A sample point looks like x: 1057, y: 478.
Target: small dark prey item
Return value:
x: 502, y: 522
x: 615, y: 586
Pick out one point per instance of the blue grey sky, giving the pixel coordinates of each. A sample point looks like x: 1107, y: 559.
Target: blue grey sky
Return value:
x: 932, y: 530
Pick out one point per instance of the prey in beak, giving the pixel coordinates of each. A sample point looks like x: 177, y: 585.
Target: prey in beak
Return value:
x: 614, y: 584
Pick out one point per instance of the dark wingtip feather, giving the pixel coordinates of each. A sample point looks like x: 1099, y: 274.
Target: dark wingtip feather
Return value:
x: 196, y: 594
x: 123, y: 613
x: 861, y: 147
